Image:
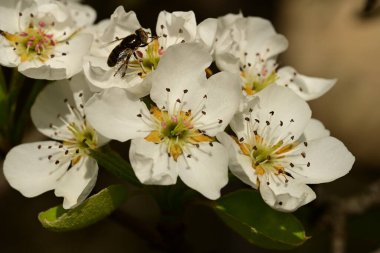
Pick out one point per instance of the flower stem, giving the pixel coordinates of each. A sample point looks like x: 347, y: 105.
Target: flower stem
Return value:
x: 115, y: 164
x: 21, y: 121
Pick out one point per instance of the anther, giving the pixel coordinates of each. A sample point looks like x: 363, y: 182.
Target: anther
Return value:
x: 168, y: 89
x: 291, y: 165
x: 305, y: 143
x: 57, y: 162
x: 39, y: 147
x: 250, y: 110
x: 258, y: 121
x: 178, y: 100
x: 241, y: 139
x: 203, y: 112
x: 303, y: 154
x: 139, y: 115
x: 246, y: 118
x: 292, y: 120
x: 271, y: 113
x: 64, y: 54
x: 180, y: 30
x: 267, y: 122
x: 210, y: 143
x: 220, y: 121
x: 281, y: 123
x: 308, y: 164
x: 185, y: 91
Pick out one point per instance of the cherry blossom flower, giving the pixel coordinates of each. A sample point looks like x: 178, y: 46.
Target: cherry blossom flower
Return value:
x: 63, y: 163
x: 249, y: 46
x: 44, y: 38
x: 271, y: 153
x: 172, y: 28
x: 176, y: 137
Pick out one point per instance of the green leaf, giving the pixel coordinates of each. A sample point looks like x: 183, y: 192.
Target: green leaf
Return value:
x: 115, y: 164
x: 245, y: 212
x: 89, y: 212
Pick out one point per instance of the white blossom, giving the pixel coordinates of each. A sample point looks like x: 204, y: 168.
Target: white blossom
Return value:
x: 176, y: 137
x: 62, y: 164
x: 172, y: 28
x: 272, y: 151
x: 44, y: 38
x: 249, y: 46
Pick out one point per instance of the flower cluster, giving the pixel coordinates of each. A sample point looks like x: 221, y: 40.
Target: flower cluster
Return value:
x: 159, y: 90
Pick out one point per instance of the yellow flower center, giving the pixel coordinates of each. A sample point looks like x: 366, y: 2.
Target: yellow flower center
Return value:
x: 265, y: 158
x: 176, y: 131
x: 148, y: 62
x: 33, y: 43
x: 254, y: 82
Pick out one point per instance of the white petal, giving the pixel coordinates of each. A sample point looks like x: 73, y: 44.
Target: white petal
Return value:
x: 151, y: 163
x: 314, y: 130
x: 77, y: 183
x: 8, y: 57
x: 329, y: 159
x: 206, y: 32
x: 182, y: 67
x: 61, y: 66
x: 306, y: 87
x: 9, y: 15
x: 100, y: 76
x: 177, y: 26
x: 113, y: 113
x: 28, y: 169
x: 80, y: 89
x: 207, y: 169
x: 122, y: 24
x: 83, y: 15
x: 240, y: 165
x: 220, y: 86
x: 260, y: 36
x: 48, y: 105
x: 287, y: 108
x: 227, y: 61
x: 228, y: 20
x: 286, y: 198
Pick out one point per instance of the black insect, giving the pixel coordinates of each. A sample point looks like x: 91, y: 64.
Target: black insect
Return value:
x: 122, y: 53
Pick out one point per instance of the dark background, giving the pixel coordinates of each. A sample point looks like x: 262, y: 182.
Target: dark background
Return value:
x: 331, y: 39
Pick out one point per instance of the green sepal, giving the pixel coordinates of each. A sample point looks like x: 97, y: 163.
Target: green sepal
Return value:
x: 92, y: 210
x: 247, y: 214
